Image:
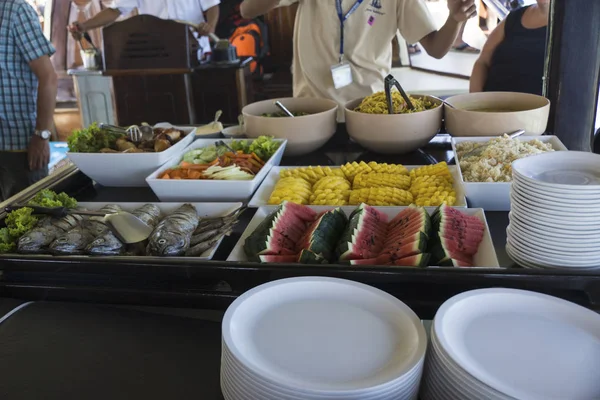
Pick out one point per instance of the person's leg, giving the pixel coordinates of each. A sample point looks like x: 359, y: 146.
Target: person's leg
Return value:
x: 15, y: 175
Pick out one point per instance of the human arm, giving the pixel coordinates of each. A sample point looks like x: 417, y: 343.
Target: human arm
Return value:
x: 212, y: 19
x: 103, y: 18
x: 39, y: 150
x: 35, y: 49
x: 255, y: 8
x: 483, y: 63
x: 439, y: 42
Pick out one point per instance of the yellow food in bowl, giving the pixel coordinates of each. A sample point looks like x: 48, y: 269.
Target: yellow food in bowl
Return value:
x: 377, y: 104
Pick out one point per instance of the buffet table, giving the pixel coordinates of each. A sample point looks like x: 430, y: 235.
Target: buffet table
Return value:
x: 214, y: 284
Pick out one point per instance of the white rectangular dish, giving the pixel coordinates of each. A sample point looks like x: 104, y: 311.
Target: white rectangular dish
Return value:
x: 130, y: 169
x: 209, y: 190
x: 485, y: 257
x: 262, y: 195
x: 494, y: 196
x: 205, y: 210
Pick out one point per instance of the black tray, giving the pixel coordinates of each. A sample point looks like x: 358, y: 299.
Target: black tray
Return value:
x: 214, y: 284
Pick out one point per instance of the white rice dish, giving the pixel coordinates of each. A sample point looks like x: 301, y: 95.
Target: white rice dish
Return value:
x: 494, y: 163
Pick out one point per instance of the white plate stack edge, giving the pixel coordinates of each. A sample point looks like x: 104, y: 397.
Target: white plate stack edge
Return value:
x: 321, y: 338
x: 555, y: 211
x: 501, y: 344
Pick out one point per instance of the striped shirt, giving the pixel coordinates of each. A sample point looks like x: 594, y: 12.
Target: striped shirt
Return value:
x: 21, y: 41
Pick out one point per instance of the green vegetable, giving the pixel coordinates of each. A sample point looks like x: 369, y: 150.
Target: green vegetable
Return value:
x: 7, y: 244
x: 21, y: 221
x: 204, y: 155
x: 264, y: 147
x: 48, y: 198
x: 92, y: 139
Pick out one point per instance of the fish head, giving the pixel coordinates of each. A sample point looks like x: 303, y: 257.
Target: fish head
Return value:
x: 34, y: 240
x: 168, y: 243
x: 72, y: 242
x: 105, y: 245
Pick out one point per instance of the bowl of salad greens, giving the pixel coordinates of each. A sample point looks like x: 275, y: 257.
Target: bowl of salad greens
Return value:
x: 209, y: 170
x: 313, y: 124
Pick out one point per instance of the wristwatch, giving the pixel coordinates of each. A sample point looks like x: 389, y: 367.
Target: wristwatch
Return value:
x: 45, y: 134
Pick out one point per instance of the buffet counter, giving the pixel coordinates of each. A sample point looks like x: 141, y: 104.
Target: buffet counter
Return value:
x: 214, y: 284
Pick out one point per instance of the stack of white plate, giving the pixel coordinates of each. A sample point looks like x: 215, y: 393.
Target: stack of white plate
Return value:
x: 321, y: 338
x: 555, y: 211
x: 512, y: 344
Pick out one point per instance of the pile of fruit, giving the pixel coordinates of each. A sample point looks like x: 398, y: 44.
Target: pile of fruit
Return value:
x: 374, y: 184
x: 297, y: 234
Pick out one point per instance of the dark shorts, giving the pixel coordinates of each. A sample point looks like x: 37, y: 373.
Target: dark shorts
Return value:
x: 15, y: 174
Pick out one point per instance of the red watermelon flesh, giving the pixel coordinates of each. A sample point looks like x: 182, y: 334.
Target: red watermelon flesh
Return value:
x: 303, y: 212
x: 400, y: 233
x: 279, y: 259
x: 417, y: 236
x: 374, y: 214
x: 403, y: 217
x: 469, y: 247
x: 288, y: 226
x: 408, y: 249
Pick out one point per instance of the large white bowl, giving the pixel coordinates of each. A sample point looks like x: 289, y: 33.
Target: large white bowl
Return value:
x: 393, y: 133
x: 208, y: 190
x: 128, y: 169
x: 304, y: 134
x: 531, y: 115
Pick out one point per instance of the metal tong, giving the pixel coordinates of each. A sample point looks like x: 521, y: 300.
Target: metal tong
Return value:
x: 389, y: 82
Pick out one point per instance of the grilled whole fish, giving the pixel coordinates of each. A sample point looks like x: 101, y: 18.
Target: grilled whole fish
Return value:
x: 76, y: 240
x: 108, y: 244
x: 38, y: 239
x: 172, y: 235
x: 210, y: 231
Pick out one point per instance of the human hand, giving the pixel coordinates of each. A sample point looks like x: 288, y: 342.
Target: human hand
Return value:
x: 76, y: 30
x: 462, y: 10
x: 38, y: 153
x: 204, y: 29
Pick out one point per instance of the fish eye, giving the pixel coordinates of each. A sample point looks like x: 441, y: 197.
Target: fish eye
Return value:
x: 162, y: 241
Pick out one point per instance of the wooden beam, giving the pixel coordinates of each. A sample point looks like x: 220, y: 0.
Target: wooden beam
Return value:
x: 572, y: 73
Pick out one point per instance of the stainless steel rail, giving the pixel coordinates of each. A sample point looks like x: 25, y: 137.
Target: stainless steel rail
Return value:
x: 48, y: 182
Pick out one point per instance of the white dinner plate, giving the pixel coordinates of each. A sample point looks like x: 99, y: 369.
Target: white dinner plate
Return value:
x: 592, y: 227
x: 552, y: 230
x: 590, y: 259
x: 557, y: 217
x: 549, y: 198
x: 568, y: 170
x: 559, y: 209
x: 565, y: 242
x: 524, y: 344
x: 324, y: 335
x: 254, y: 384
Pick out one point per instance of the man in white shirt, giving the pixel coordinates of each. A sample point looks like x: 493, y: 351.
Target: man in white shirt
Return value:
x: 190, y: 11
x: 342, y: 48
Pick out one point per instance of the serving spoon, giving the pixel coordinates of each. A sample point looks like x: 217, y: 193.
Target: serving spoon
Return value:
x: 283, y: 108
x: 127, y: 227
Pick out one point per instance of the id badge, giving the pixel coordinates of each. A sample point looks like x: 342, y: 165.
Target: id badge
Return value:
x: 341, y: 74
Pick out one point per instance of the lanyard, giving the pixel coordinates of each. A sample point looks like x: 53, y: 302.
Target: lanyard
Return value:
x: 343, y: 18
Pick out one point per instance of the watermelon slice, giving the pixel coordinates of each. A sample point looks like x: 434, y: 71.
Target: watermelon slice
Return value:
x: 457, y: 237
x: 364, y: 235
x: 304, y: 213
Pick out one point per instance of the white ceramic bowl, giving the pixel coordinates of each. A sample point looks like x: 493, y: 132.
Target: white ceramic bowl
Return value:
x: 304, y: 134
x: 530, y: 113
x: 208, y: 190
x: 128, y: 169
x: 233, y: 131
x: 393, y: 133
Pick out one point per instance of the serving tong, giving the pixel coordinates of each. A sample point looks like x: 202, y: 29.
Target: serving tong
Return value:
x: 134, y: 132
x: 390, y: 82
